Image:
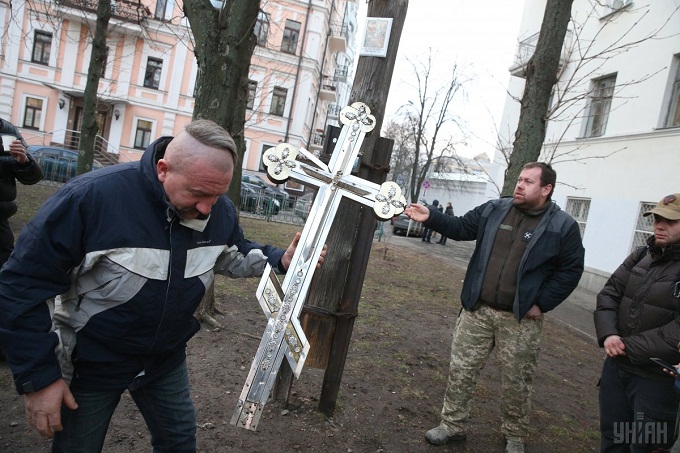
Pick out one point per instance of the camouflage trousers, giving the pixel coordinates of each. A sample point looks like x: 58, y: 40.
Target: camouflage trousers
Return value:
x: 517, y: 346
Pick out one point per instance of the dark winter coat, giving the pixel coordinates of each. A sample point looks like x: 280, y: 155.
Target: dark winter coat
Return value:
x: 11, y: 171
x: 640, y: 303
x: 130, y: 274
x: 550, y: 268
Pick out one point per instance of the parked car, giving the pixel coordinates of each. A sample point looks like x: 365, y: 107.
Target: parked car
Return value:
x: 303, y: 204
x: 58, y: 164
x: 254, y: 199
x: 280, y: 194
x: 400, y: 225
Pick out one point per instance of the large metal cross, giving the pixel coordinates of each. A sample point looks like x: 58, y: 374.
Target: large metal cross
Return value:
x: 282, y: 303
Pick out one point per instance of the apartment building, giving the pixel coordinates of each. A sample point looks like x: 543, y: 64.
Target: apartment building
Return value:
x: 300, y: 77
x: 613, y: 133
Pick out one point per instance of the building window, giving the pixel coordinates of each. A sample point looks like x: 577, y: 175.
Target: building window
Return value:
x: 578, y: 208
x: 264, y: 148
x: 600, y: 103
x: 42, y: 45
x: 278, y: 101
x: 262, y: 28
x: 618, y: 4
x: 252, y: 88
x: 152, y: 77
x: 33, y: 113
x: 143, y: 134
x: 164, y: 9
x: 290, y: 36
x: 673, y: 119
x: 644, y: 227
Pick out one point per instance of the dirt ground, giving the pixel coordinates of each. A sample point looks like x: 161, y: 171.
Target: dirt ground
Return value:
x: 393, y: 382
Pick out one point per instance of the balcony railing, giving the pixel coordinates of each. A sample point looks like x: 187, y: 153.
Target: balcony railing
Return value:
x: 125, y: 10
x: 327, y: 92
x: 334, y: 110
x: 526, y: 49
x: 341, y: 73
x: 317, y: 140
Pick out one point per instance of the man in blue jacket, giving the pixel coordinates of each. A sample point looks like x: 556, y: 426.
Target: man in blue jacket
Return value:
x: 130, y: 251
x: 528, y: 258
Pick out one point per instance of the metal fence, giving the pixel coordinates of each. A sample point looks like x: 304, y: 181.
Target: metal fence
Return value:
x: 57, y: 171
x: 261, y: 206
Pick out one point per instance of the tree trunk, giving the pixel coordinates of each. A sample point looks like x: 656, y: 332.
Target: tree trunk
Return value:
x: 224, y: 45
x: 89, y: 128
x: 225, y: 42
x: 541, y: 75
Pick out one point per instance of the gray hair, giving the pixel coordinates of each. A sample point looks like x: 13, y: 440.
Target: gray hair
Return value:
x: 213, y: 135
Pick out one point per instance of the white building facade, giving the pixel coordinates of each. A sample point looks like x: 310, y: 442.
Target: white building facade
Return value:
x: 614, y: 135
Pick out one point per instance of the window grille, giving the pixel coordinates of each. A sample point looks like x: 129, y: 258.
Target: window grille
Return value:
x: 578, y: 208
x: 644, y: 227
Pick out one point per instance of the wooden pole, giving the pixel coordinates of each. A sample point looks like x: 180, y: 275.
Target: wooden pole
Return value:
x: 353, y: 233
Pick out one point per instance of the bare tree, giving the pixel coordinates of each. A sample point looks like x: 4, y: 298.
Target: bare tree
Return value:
x: 98, y: 55
x: 403, y: 157
x: 541, y: 75
x: 97, y: 59
x: 224, y: 44
x: 427, y: 117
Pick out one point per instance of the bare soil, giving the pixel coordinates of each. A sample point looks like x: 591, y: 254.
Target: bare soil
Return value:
x: 392, y: 385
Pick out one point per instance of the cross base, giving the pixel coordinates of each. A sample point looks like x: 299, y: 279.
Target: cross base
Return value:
x: 247, y: 415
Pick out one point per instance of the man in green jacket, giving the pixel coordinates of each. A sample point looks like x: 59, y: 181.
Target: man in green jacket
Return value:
x: 528, y: 258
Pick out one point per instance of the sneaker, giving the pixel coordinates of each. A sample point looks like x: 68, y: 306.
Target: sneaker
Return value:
x: 514, y: 445
x: 443, y: 435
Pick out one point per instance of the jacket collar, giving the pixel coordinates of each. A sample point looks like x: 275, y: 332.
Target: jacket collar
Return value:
x: 669, y: 253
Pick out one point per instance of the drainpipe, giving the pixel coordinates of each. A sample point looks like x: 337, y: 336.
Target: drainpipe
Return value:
x: 297, y: 74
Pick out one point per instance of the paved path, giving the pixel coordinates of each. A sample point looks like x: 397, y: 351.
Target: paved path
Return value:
x: 576, y: 312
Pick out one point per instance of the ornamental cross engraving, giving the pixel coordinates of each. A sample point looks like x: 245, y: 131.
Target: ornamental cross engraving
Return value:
x: 282, y: 303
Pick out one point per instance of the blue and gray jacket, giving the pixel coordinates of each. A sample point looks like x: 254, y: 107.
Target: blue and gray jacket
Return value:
x: 129, y: 274
x: 549, y: 270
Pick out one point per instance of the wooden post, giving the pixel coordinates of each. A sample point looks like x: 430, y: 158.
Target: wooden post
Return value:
x: 351, y: 237
x: 333, y: 301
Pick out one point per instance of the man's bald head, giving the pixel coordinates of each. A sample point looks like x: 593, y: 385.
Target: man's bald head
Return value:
x: 215, y: 145
x: 197, y: 168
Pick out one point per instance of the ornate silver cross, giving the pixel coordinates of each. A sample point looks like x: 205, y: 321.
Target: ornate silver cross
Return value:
x: 282, y: 303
